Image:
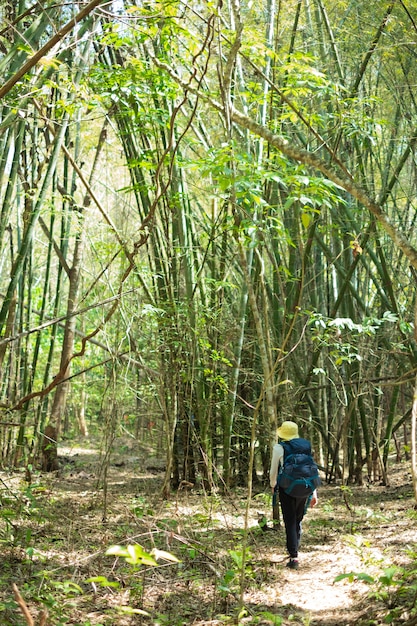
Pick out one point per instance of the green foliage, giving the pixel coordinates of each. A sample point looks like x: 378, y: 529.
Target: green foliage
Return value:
x: 171, y: 347
x: 103, y: 582
x: 265, y: 497
x: 355, y: 576
x: 214, y: 362
x: 136, y: 555
x: 312, y: 193
x: 128, y: 610
x: 239, y: 563
x: 25, y: 504
x: 225, y: 585
x: 343, y: 337
x: 271, y: 618
x: 66, y: 587
x: 395, y: 587
x: 140, y: 507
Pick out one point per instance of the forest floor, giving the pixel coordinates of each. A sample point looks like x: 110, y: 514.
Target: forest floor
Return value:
x: 56, y: 529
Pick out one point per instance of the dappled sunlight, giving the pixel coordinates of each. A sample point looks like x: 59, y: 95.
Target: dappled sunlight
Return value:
x: 69, y: 525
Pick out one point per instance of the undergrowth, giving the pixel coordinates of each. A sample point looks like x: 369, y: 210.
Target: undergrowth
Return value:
x: 185, y: 561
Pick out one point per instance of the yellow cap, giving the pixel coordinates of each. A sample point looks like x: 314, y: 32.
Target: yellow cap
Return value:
x: 287, y: 431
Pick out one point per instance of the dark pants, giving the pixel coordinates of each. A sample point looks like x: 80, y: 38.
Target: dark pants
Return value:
x: 293, y: 510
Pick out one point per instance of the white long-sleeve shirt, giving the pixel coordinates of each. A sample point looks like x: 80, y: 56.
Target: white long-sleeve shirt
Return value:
x: 277, y: 458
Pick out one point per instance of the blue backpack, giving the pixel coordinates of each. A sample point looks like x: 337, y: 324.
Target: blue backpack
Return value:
x: 298, y: 475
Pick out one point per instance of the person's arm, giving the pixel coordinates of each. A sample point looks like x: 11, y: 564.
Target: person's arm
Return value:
x: 314, y: 499
x: 277, y: 455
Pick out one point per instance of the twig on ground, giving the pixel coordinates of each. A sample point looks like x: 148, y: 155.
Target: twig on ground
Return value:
x: 25, y: 610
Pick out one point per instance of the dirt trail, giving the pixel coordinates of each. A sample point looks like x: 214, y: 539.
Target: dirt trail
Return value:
x: 361, y: 529
x: 369, y: 530
x: 311, y: 590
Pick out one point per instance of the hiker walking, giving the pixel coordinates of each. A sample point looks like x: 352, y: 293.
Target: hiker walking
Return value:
x: 294, y: 476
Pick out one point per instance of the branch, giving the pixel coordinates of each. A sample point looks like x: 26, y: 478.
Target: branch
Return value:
x: 371, y: 50
x: 64, y: 318
x: 225, y: 79
x: 60, y: 376
x: 24, y: 608
x: 145, y: 230
x: 307, y: 158
x: 33, y: 60
x: 312, y: 160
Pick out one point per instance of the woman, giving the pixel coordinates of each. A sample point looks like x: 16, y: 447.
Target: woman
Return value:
x: 293, y: 508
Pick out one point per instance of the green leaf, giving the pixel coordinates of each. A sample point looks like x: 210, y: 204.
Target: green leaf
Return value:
x: 305, y: 200
x: 128, y: 610
x: 290, y: 201
x: 306, y: 220
x: 116, y: 551
x: 102, y: 581
x: 389, y: 316
x: 355, y: 576
x: 167, y: 556
x: 343, y: 322
x: 133, y: 554
x: 276, y: 620
x: 366, y: 578
x: 388, y: 577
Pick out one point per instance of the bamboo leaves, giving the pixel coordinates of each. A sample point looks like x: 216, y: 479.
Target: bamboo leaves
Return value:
x: 243, y: 175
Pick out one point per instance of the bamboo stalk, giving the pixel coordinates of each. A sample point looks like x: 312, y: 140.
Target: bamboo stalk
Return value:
x: 33, y: 60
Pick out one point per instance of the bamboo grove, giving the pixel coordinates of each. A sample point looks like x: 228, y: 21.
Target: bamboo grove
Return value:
x: 207, y: 227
